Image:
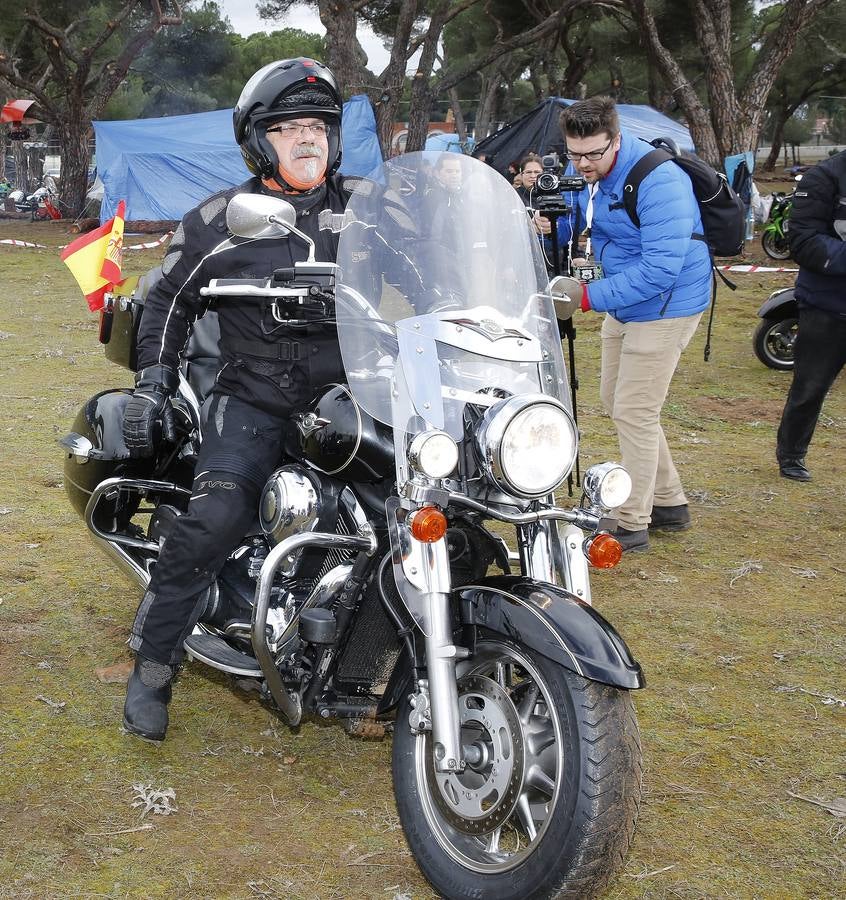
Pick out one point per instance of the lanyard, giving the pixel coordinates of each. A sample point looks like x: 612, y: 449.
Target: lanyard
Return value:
x: 589, y: 216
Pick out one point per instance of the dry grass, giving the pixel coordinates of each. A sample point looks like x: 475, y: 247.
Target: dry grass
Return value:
x: 738, y: 623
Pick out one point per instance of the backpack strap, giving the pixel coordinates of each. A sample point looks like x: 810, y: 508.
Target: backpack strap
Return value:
x: 714, y: 273
x: 637, y: 173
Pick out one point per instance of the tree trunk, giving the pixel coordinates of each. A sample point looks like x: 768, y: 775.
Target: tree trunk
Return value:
x: 23, y: 180
x: 455, y: 105
x: 392, y: 78
x: 73, y: 181
x: 418, y: 121
x: 345, y: 57
x: 487, y: 103
x: 736, y: 116
x: 698, y: 120
x: 778, y: 138
x: 4, y: 149
x: 421, y: 90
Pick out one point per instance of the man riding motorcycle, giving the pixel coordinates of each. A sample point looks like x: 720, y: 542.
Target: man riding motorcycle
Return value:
x: 288, y: 124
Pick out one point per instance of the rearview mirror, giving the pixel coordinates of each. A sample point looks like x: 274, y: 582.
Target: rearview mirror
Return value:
x: 566, y: 295
x: 258, y: 216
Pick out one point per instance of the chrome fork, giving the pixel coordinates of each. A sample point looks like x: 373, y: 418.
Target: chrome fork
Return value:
x: 422, y: 576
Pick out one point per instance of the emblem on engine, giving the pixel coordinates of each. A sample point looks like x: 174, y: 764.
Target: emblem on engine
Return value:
x: 308, y: 423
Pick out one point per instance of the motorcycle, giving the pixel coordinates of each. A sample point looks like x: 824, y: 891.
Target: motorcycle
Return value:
x: 774, y: 236
x: 775, y: 336
x: 377, y: 586
x: 39, y: 204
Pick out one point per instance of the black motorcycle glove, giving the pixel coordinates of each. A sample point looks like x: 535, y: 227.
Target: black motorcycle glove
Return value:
x: 149, y: 413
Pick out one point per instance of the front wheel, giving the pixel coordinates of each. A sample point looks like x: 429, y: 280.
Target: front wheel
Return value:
x: 774, y: 342
x: 775, y: 245
x: 548, y: 801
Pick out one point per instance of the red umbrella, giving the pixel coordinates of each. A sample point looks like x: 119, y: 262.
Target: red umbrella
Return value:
x: 15, y: 111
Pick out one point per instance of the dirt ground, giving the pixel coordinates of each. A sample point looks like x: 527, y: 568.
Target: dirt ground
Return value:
x: 738, y: 623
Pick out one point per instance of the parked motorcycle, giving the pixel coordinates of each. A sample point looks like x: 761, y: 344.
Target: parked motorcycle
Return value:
x: 774, y: 236
x: 377, y: 586
x: 776, y: 333
x: 40, y: 204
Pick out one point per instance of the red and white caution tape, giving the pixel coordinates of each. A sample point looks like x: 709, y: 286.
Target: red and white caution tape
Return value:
x: 149, y: 245
x: 749, y: 270
x: 12, y: 242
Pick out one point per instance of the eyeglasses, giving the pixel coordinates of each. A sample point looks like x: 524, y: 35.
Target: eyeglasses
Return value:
x: 592, y: 155
x: 294, y: 129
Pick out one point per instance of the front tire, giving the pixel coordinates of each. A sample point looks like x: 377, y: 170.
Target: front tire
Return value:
x: 775, y: 245
x: 550, y: 805
x: 774, y: 342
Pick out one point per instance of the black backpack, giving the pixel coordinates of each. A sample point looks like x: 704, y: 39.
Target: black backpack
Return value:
x: 723, y: 212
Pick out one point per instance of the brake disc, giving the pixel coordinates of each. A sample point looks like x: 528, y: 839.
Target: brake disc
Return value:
x: 483, y: 796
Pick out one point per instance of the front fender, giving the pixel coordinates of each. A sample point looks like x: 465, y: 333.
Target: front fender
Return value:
x: 779, y: 305
x: 553, y: 622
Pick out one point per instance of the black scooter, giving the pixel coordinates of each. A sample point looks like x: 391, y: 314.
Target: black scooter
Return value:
x: 775, y: 336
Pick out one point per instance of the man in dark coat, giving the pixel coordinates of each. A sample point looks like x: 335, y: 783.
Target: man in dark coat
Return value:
x: 818, y: 243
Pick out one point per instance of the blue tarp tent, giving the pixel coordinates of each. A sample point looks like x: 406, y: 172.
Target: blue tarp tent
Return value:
x: 163, y: 167
x: 538, y: 131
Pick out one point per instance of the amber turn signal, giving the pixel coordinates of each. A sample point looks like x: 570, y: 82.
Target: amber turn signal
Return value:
x: 604, y: 551
x: 428, y: 524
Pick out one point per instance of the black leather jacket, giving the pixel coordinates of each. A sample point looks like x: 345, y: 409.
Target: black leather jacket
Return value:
x: 270, y: 365
x: 817, y: 235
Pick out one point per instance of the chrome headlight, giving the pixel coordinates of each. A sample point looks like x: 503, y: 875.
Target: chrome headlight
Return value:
x: 527, y: 444
x: 433, y: 454
x: 607, y: 485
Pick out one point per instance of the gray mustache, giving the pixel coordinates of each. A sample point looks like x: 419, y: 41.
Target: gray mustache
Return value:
x: 302, y: 150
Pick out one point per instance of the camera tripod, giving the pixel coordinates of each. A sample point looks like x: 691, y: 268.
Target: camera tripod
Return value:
x: 553, y: 208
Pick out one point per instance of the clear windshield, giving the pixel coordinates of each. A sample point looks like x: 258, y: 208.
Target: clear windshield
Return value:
x: 442, y: 294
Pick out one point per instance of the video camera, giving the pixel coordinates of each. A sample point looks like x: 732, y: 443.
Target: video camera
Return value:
x: 551, y: 181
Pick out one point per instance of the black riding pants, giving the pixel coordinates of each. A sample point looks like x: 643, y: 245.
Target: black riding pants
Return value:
x: 819, y: 355
x: 241, y: 446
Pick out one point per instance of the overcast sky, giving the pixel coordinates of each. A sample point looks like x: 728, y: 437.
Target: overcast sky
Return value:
x: 242, y: 14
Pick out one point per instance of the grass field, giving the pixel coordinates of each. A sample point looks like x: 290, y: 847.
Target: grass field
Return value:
x: 738, y: 623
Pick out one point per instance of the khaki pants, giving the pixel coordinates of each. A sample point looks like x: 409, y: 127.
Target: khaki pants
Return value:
x: 638, y: 363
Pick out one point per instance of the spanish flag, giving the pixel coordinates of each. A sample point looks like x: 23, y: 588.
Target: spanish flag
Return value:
x: 95, y: 258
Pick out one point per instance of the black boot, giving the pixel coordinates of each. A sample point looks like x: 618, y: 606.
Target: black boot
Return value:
x: 794, y: 468
x: 147, y: 696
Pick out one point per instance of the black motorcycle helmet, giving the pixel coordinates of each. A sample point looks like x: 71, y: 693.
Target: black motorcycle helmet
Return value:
x: 286, y: 89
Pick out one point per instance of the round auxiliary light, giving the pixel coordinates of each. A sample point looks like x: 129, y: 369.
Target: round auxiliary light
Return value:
x: 433, y: 454
x: 428, y: 524
x: 607, y: 485
x: 527, y: 444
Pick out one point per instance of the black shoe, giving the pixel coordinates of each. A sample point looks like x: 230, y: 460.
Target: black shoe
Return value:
x: 632, y: 541
x: 147, y: 696
x: 795, y: 469
x: 670, y: 518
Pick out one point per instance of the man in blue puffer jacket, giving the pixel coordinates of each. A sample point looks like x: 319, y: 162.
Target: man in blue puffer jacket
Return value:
x: 656, y: 281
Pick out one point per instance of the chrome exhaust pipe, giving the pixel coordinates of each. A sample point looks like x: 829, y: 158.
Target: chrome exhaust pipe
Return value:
x: 125, y: 562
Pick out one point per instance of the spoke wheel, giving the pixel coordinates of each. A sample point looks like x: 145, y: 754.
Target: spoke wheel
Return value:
x: 533, y: 810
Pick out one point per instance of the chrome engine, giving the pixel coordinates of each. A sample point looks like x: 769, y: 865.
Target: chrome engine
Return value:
x: 292, y: 503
